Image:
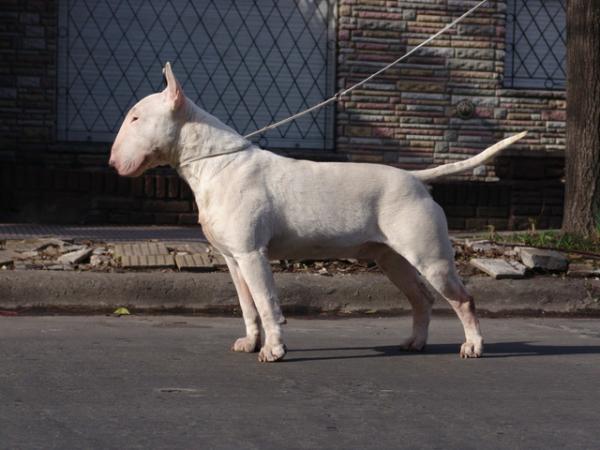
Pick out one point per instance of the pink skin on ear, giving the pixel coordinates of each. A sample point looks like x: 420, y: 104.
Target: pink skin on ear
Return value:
x: 173, y: 91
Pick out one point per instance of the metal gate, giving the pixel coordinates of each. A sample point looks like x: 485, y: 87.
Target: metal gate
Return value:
x: 249, y: 62
x: 536, y: 44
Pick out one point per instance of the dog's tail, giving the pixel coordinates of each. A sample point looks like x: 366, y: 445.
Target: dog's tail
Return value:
x: 468, y: 164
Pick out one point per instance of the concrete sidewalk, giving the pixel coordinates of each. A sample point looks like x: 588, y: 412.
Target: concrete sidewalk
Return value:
x: 350, y: 290
x: 300, y: 293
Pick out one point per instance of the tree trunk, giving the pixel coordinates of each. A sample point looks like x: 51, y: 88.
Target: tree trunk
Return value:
x: 582, y: 190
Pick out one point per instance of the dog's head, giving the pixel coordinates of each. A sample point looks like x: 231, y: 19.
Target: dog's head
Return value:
x: 150, y: 130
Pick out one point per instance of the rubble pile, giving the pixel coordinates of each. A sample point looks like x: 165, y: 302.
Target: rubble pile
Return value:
x: 473, y: 257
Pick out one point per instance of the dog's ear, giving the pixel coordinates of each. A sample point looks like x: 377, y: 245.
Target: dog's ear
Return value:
x: 173, y: 92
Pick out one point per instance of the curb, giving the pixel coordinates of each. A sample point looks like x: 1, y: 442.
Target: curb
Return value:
x: 30, y: 292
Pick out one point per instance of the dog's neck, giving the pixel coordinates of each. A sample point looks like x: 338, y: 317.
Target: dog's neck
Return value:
x: 203, y: 136
x: 205, y: 146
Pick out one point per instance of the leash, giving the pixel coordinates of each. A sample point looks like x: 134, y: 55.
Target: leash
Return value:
x: 344, y: 92
x: 340, y: 93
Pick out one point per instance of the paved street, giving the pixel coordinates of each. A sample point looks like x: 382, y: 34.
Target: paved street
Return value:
x: 170, y: 382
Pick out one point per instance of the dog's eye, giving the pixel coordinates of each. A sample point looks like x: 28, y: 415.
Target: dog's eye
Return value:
x: 133, y: 119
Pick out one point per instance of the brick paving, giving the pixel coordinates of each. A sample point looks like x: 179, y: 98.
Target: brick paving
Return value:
x: 197, y: 261
x: 141, y: 249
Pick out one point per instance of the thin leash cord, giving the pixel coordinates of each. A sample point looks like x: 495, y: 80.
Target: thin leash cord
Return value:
x: 343, y: 92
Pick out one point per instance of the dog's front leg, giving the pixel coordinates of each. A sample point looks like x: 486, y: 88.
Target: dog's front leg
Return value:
x: 251, y: 342
x: 256, y: 272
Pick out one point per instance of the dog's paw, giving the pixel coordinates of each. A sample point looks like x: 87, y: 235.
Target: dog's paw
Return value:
x: 414, y: 344
x: 471, y: 350
x: 246, y: 344
x: 272, y: 353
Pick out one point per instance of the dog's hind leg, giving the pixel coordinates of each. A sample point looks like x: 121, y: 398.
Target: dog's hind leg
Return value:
x: 443, y: 277
x: 256, y: 272
x: 408, y: 280
x: 426, y: 246
x: 251, y: 342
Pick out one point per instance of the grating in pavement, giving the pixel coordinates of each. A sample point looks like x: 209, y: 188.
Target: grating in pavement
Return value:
x: 141, y: 249
x: 147, y: 262
x: 194, y: 262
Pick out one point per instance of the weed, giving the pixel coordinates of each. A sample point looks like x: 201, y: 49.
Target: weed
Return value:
x: 555, y: 239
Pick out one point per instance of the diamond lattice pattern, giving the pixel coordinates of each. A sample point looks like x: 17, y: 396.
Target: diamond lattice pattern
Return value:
x: 249, y: 62
x: 536, y: 34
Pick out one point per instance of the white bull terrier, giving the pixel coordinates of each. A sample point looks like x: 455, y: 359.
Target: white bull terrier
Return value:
x: 255, y: 206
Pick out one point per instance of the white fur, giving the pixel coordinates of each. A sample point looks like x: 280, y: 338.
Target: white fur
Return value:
x: 255, y: 206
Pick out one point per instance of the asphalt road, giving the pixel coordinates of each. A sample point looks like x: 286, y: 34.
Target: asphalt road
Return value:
x: 170, y: 382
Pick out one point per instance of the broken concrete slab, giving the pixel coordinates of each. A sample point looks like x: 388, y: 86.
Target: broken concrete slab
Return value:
x: 68, y: 248
x: 551, y: 260
x: 499, y: 268
x: 195, y: 262
x: 147, y: 261
x: 28, y: 254
x: 480, y: 246
x: 41, y: 244
x: 197, y: 248
x: 140, y: 249
x: 30, y: 245
x: 6, y: 257
x: 75, y: 257
x: 100, y: 260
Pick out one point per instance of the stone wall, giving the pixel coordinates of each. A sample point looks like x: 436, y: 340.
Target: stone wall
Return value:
x: 445, y: 103
x: 408, y: 116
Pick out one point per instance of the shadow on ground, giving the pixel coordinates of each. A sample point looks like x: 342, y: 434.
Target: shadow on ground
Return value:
x: 494, y: 350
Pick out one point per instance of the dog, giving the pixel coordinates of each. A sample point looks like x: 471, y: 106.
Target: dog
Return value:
x: 255, y: 206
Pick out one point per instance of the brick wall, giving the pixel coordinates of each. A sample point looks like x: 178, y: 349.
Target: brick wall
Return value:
x: 447, y: 102
x: 27, y: 76
x: 79, y: 195
x: 408, y: 117
x: 530, y: 193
